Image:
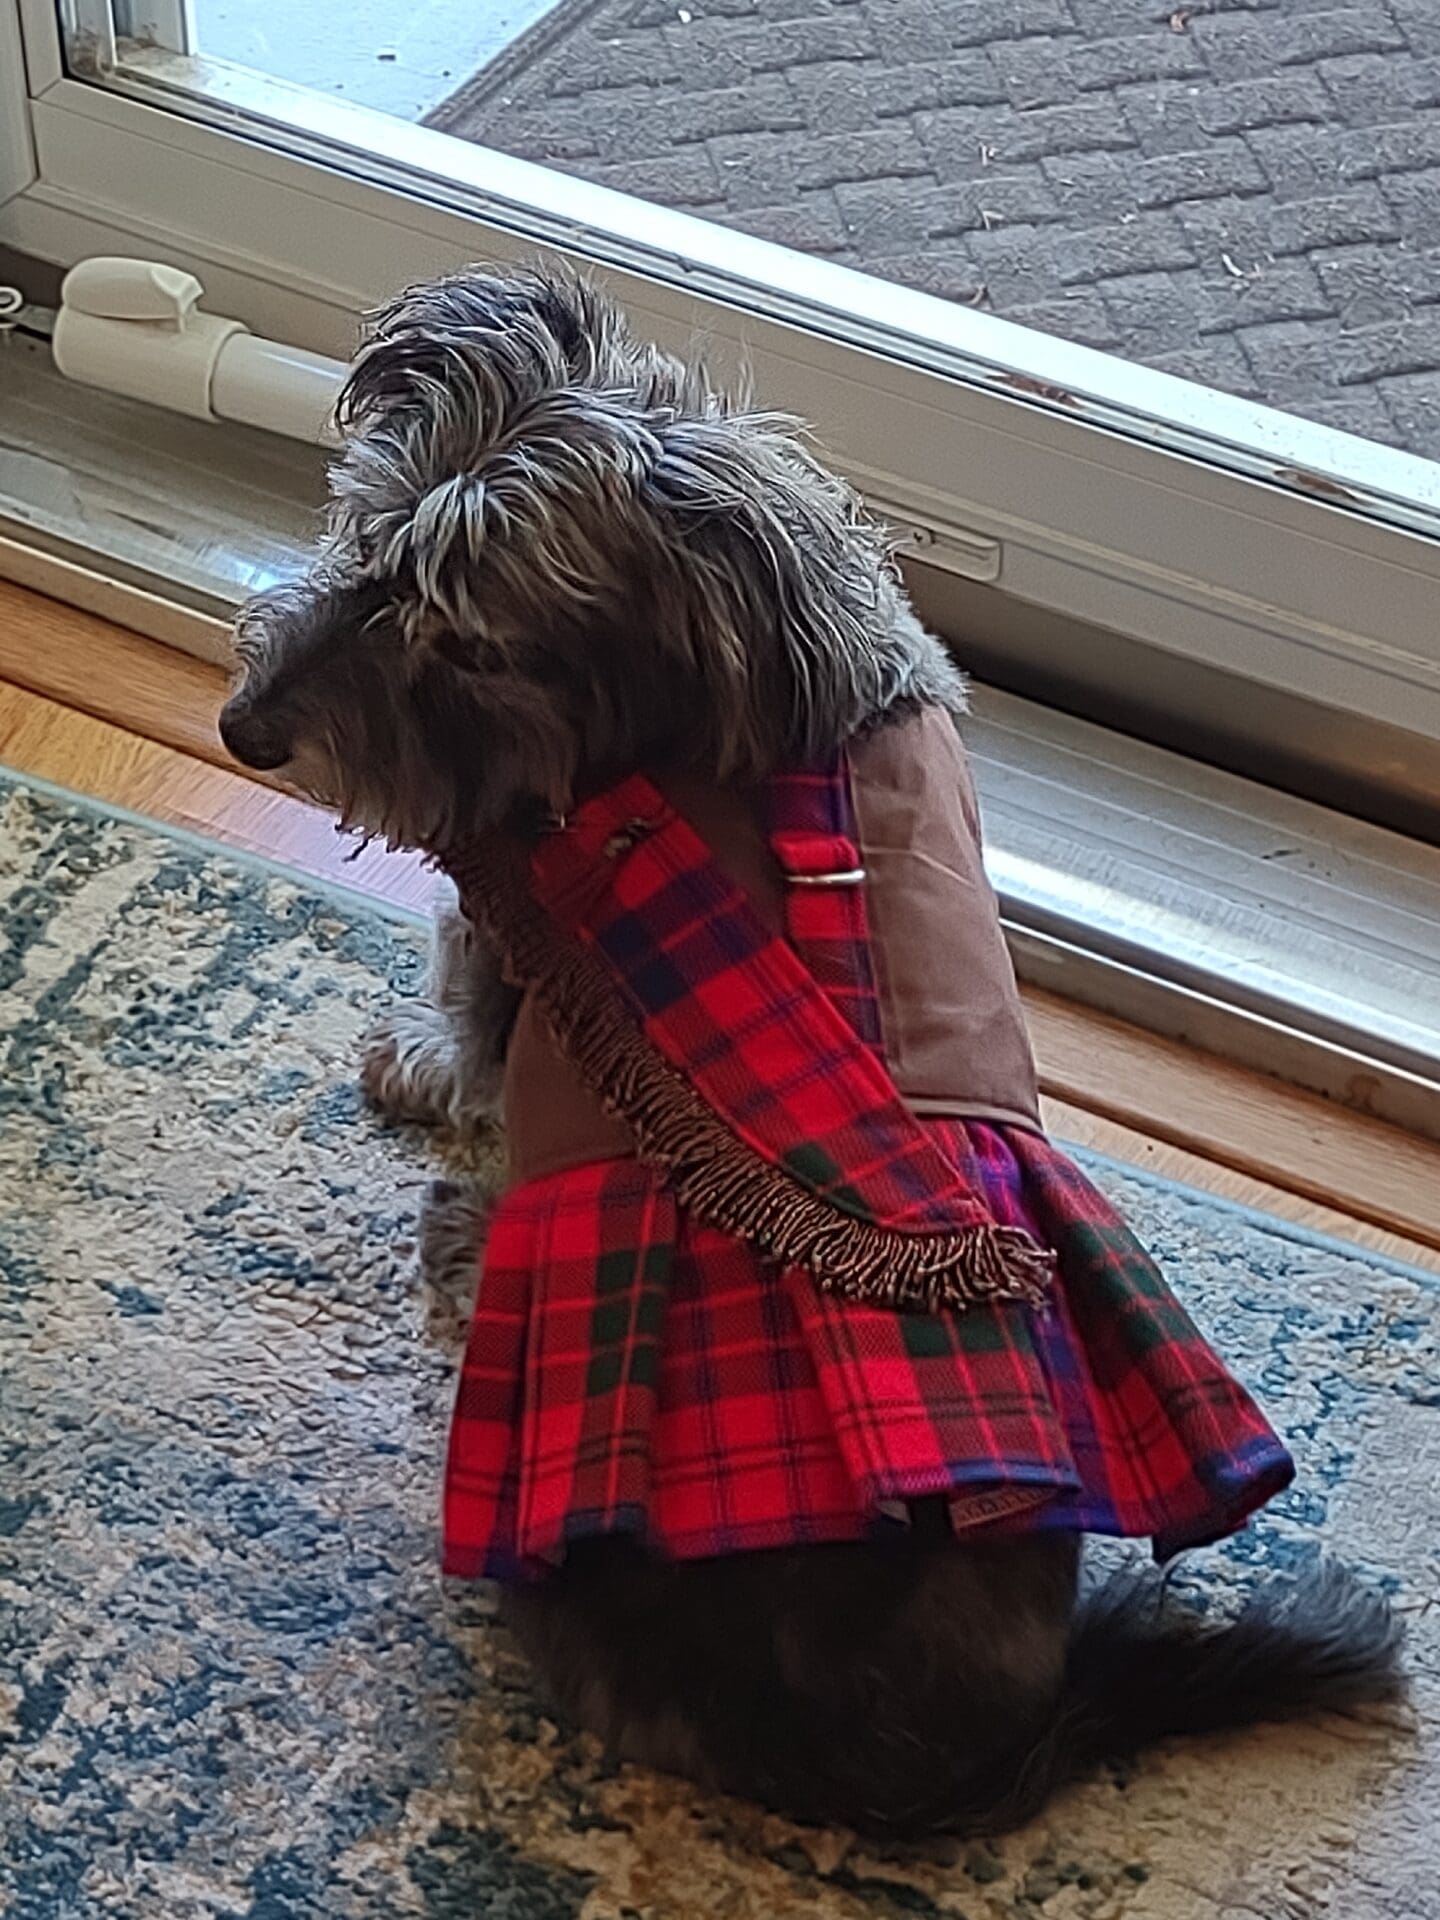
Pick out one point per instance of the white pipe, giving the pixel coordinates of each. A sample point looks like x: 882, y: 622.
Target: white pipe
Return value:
x: 281, y: 389
x: 134, y: 327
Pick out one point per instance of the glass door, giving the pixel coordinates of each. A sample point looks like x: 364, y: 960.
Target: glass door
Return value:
x: 1129, y: 311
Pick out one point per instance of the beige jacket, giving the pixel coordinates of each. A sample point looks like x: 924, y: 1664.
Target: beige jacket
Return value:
x: 954, y: 1033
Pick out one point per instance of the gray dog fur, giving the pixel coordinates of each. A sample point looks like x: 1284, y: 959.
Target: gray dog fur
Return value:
x: 556, y: 555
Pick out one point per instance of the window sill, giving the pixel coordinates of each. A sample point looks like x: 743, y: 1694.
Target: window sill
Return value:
x: 1136, y: 880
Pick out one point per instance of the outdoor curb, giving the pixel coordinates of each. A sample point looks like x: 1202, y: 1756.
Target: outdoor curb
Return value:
x: 509, y: 63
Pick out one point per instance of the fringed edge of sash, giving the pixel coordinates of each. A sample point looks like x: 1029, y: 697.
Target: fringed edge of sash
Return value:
x: 716, y: 1175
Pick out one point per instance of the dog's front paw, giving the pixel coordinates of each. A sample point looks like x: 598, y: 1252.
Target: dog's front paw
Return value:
x: 408, y: 1067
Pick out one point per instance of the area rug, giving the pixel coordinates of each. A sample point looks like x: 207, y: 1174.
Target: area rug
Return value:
x: 231, y: 1680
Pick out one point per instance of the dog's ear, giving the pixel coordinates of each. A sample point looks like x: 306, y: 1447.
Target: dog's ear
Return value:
x: 784, y: 585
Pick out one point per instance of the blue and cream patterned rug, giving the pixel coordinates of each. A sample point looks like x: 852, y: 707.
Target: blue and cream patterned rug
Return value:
x: 231, y: 1681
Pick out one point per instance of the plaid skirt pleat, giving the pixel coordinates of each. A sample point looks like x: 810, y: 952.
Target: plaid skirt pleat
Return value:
x: 631, y: 1370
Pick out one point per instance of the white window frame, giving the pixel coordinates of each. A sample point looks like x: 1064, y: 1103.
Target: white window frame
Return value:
x: 17, y: 152
x: 1203, y: 526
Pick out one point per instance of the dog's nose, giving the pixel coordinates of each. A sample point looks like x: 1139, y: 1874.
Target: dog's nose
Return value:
x: 251, y: 741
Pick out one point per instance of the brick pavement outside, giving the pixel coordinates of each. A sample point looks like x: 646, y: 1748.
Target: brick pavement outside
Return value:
x: 1248, y: 195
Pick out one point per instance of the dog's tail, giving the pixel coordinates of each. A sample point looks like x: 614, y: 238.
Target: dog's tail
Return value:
x: 1140, y: 1671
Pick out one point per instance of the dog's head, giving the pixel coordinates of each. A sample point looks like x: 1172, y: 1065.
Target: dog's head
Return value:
x: 554, y: 555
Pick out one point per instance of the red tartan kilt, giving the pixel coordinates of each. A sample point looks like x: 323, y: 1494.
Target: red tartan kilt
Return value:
x: 630, y: 1369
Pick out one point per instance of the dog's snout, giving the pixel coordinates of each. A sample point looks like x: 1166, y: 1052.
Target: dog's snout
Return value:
x: 253, y: 741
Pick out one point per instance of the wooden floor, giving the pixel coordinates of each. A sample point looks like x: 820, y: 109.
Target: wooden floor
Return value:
x: 105, y: 713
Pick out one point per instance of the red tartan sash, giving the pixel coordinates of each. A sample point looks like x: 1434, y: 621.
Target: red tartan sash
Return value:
x: 758, y: 1087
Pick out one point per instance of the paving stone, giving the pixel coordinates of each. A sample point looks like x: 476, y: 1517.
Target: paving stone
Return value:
x: 1361, y: 411
x: 1419, y: 21
x: 1274, y: 101
x: 849, y: 95
x: 1165, y: 117
x: 1080, y: 317
x: 682, y: 177
x: 1366, y: 285
x: 555, y: 133
x: 1033, y: 75
x: 1151, y: 243
x: 1209, y: 300
x: 839, y: 95
x: 790, y: 44
x: 1279, y: 290
x: 1156, y: 313
x: 1207, y: 173
x: 1374, y: 89
x: 983, y: 23
x: 591, y: 64
x: 1089, y: 187
x: 1019, y: 268
x: 1239, y: 47
x: 1413, y: 404
x: 1102, y: 19
x: 968, y: 140
x: 1036, y: 263
x: 1257, y: 229
x: 1290, y: 353
x: 945, y: 270
x: 1392, y: 347
x: 664, y: 13
x: 761, y: 170
x: 911, y: 30
x: 1216, y: 362
x: 768, y: 105
x: 1413, y: 201
x: 1372, y: 152
x: 968, y: 79
x: 812, y: 224
x: 887, y: 214
x: 1300, y: 162
x: 1097, y: 186
x: 1160, y: 55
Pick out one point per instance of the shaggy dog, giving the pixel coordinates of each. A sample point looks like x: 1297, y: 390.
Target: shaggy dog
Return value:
x: 556, y: 556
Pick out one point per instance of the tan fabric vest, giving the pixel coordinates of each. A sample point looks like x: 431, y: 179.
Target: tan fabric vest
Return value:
x: 954, y: 1032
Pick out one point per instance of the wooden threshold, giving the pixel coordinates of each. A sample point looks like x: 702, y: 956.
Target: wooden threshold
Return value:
x: 1145, y: 1150
x: 86, y: 664
x: 132, y: 723
x: 1250, y: 1122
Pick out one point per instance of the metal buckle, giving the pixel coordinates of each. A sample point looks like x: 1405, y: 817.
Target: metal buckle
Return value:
x: 628, y: 836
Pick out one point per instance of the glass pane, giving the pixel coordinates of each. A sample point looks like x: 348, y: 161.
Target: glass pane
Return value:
x: 1247, y: 195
